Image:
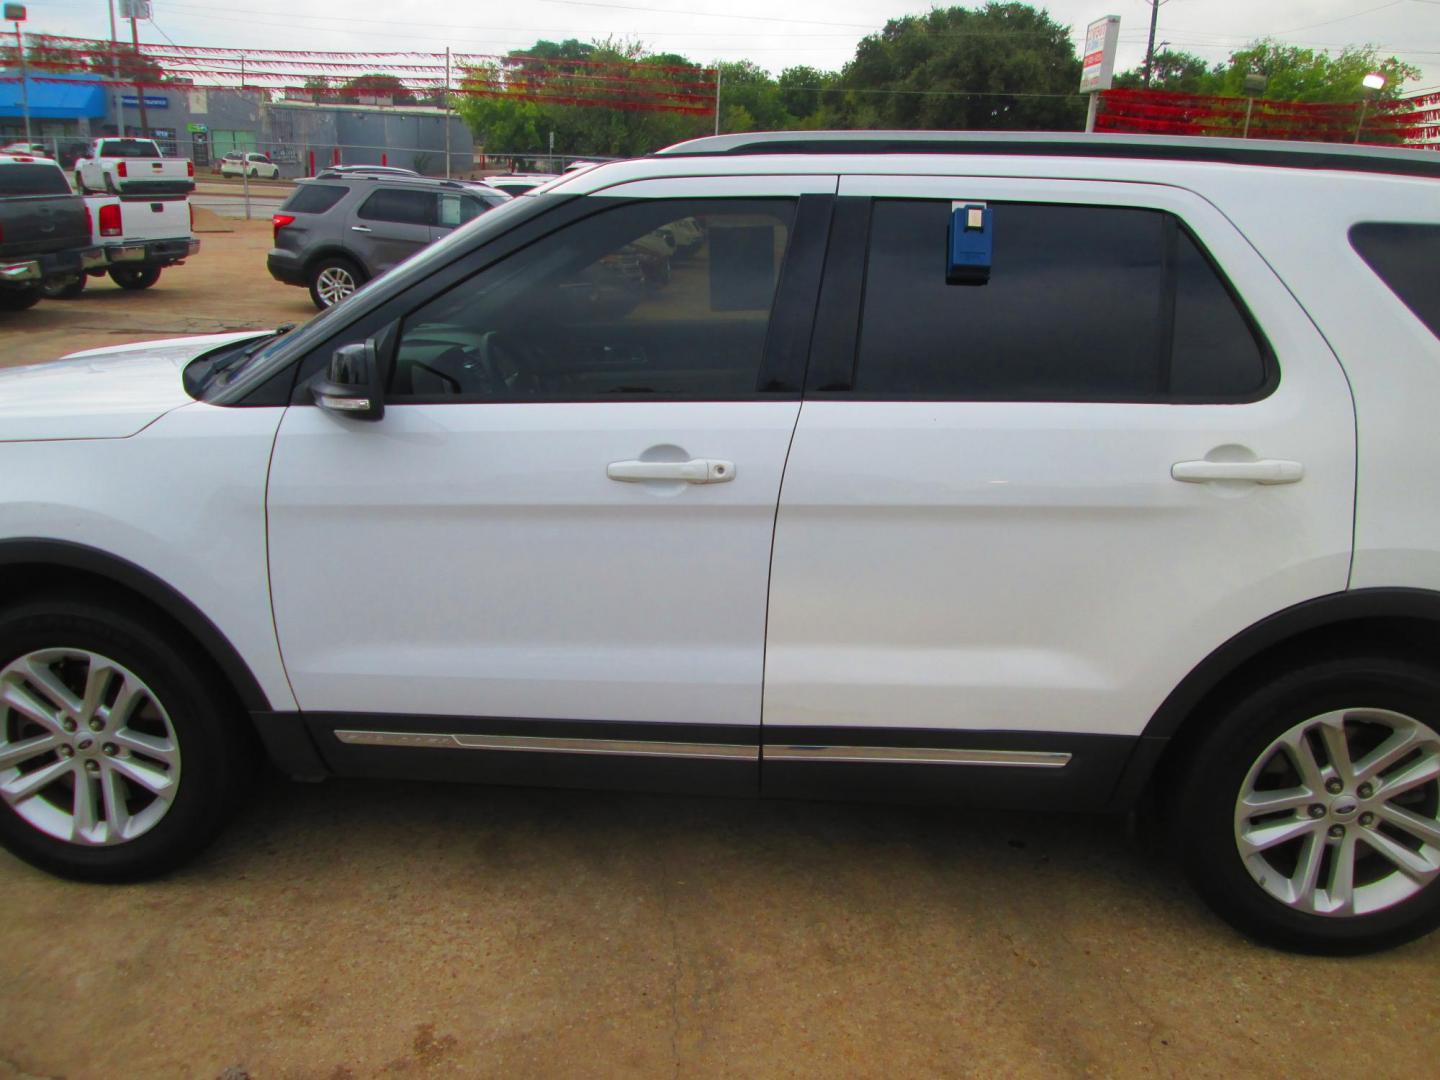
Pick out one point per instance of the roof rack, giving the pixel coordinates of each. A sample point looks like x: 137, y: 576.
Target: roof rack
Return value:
x: 1291, y: 155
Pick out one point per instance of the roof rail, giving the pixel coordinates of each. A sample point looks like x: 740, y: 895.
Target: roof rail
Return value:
x: 1292, y: 155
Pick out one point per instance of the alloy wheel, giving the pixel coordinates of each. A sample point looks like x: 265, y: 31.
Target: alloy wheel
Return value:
x: 334, y: 284
x: 1340, y: 815
x: 88, y: 754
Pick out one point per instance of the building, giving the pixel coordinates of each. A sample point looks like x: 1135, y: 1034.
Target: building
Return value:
x: 204, y: 124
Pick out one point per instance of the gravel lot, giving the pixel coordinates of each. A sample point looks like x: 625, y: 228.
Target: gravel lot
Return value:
x: 355, y: 929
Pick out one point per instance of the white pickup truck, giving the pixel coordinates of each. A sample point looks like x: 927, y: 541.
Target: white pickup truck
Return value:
x: 132, y: 167
x: 138, y: 237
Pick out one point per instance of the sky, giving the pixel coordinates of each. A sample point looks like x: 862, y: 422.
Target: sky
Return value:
x: 820, y: 33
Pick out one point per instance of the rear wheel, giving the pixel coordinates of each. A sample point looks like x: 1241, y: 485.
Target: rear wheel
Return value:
x: 119, y: 756
x: 135, y: 278
x: 332, y: 280
x: 65, y: 288
x: 20, y: 299
x: 1311, y: 814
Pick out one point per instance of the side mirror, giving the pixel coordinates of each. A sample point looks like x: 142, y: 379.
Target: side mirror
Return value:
x: 352, y: 385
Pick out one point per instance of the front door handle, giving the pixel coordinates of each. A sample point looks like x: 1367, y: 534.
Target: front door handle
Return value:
x: 360, y: 228
x: 694, y: 471
x: 1256, y: 472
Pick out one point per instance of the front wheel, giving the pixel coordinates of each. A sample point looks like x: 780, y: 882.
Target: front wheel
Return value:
x: 120, y: 758
x: 1310, y: 816
x: 135, y: 278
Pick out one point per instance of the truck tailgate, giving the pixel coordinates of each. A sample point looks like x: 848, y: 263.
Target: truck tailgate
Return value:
x: 150, y: 219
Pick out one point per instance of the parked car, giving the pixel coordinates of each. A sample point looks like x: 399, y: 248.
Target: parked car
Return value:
x: 1104, y: 470
x: 336, y: 232
x: 519, y: 183
x: 32, y: 149
x: 139, y: 238
x: 253, y: 165
x: 132, y: 167
x: 44, y: 230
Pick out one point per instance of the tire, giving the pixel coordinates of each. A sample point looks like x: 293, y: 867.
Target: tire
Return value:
x: 179, y: 733
x: 80, y: 184
x: 141, y: 278
x: 110, y: 185
x: 1347, y: 806
x: 64, y: 288
x: 20, y: 299
x: 328, y: 280
x: 255, y: 174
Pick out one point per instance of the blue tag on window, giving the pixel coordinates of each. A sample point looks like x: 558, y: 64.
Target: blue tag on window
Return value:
x: 971, y: 246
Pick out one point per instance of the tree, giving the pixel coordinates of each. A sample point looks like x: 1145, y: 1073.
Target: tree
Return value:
x: 378, y: 86
x: 802, y: 90
x: 1296, y: 74
x: 1292, y: 73
x: 1005, y: 65
x: 44, y: 53
x: 1178, y: 72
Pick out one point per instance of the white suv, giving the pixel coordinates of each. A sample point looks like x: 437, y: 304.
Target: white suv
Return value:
x: 1079, y: 473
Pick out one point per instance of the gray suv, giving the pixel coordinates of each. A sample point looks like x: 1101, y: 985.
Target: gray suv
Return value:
x: 338, y: 231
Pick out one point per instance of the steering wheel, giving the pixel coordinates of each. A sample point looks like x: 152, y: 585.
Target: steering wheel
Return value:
x: 508, y: 364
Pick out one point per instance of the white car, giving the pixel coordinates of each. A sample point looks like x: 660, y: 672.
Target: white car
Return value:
x: 1039, y: 471
x: 257, y: 166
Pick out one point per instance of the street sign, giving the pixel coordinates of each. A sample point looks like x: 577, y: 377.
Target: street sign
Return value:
x: 1098, y: 70
x: 14, y: 12
x: 135, y: 9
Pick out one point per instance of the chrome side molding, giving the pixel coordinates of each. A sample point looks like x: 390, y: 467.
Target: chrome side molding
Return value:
x: 862, y: 755
x: 627, y: 747
x: 920, y: 755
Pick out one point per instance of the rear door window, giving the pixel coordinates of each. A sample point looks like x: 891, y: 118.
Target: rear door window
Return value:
x: 313, y: 198
x: 400, y: 205
x: 1084, y: 303
x: 1407, y: 259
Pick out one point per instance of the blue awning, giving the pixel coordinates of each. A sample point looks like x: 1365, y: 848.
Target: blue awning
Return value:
x: 77, y: 97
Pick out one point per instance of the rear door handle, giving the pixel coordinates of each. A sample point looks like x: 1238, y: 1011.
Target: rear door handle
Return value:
x: 1256, y: 472
x: 694, y: 471
x: 360, y: 228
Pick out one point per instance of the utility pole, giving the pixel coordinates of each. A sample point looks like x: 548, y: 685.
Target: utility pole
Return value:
x: 115, y: 74
x: 16, y: 13
x: 139, y: 88
x: 447, y: 113
x: 717, y: 97
x: 1150, y: 48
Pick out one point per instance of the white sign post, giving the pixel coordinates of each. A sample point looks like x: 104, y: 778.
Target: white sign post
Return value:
x: 1097, y: 70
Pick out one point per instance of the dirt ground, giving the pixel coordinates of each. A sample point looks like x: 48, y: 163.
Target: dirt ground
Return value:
x: 225, y: 287
x: 348, y: 929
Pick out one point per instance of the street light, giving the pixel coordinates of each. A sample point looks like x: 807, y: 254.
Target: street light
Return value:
x: 1372, y: 84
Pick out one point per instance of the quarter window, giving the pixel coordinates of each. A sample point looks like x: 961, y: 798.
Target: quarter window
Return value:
x: 405, y: 207
x: 1083, y: 304
x: 1407, y: 259
x: 653, y: 300
x: 314, y: 198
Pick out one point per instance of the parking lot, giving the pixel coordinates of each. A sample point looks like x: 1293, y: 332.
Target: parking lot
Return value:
x: 350, y: 929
